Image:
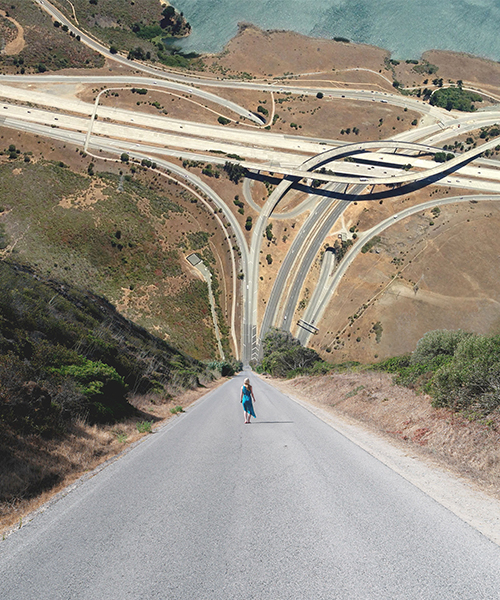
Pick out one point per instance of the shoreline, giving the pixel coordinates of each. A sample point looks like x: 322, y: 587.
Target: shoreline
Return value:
x: 275, y: 53
x: 248, y: 25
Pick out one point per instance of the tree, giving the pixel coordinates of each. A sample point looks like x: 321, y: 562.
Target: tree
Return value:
x: 124, y: 157
x: 168, y: 12
x: 441, y: 157
x: 455, y: 98
x: 284, y: 355
x: 234, y: 171
x: 440, y: 342
x: 471, y: 378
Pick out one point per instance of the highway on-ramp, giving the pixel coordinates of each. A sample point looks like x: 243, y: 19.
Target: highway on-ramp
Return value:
x: 209, y: 508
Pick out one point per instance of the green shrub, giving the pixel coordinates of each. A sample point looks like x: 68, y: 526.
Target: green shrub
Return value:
x: 101, y: 385
x: 226, y: 368
x: 471, y: 379
x: 144, y: 426
x: 370, y: 244
x: 459, y: 370
x: 434, y: 344
x: 394, y: 364
x: 284, y: 356
x: 455, y: 98
x: 234, y: 171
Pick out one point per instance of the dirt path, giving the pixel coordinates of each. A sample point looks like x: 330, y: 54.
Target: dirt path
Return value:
x: 17, y: 45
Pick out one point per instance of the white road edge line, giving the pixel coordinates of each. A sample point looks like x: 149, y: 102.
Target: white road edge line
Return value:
x: 473, y: 506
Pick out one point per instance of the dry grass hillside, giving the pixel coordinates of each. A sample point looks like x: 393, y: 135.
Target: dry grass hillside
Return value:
x: 122, y: 231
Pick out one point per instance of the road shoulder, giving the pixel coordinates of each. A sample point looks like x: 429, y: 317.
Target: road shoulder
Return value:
x: 461, y: 497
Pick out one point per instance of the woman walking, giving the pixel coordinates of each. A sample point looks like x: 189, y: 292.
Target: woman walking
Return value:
x: 246, y: 399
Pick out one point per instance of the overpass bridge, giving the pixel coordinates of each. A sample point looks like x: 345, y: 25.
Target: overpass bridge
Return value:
x: 307, y: 169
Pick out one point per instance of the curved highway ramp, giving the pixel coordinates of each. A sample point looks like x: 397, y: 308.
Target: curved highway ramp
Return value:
x: 209, y: 508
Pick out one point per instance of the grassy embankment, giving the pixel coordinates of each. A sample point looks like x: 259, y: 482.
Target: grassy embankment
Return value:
x: 42, y: 47
x: 77, y: 382
x: 137, y: 29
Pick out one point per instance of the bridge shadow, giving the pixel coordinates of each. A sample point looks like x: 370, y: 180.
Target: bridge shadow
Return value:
x: 389, y: 192
x: 259, y: 177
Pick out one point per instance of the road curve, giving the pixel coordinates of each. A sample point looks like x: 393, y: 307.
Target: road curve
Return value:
x: 441, y: 115
x: 316, y: 313
x: 306, y: 169
x: 210, y: 509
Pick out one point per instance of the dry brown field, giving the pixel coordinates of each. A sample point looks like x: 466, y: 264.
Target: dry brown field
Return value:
x: 426, y: 273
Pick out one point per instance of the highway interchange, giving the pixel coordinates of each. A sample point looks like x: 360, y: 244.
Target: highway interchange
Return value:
x: 32, y: 104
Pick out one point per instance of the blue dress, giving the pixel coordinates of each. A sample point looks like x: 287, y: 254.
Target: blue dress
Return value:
x: 247, y: 401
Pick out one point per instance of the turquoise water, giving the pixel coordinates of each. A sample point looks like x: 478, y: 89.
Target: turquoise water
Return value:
x: 405, y: 27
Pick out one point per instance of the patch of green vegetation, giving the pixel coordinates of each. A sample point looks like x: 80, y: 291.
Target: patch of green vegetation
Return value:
x: 181, y: 60
x: 144, y: 426
x: 191, y: 306
x: 284, y: 356
x: 66, y: 354
x: 4, y: 238
x: 441, y: 157
x: 354, y: 392
x: 377, y: 330
x: 455, y: 98
x: 489, y: 132
x: 425, y: 68
x: 370, y: 244
x: 235, y: 172
x: 341, y: 248
x: 225, y: 367
x: 197, y: 239
x: 460, y: 370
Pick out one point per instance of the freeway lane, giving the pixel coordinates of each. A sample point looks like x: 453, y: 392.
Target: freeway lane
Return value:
x: 208, y: 508
x: 367, y: 95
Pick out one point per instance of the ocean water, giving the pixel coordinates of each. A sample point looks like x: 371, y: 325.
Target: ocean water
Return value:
x: 405, y: 27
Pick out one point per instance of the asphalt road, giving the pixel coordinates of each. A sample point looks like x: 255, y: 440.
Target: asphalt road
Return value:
x: 208, y: 508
